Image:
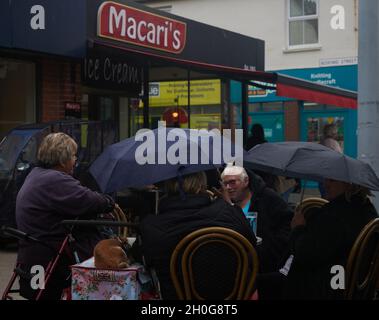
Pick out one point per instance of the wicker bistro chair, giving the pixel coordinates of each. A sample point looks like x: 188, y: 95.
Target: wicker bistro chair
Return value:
x: 120, y: 216
x: 310, y: 203
x: 362, y: 271
x: 214, y: 263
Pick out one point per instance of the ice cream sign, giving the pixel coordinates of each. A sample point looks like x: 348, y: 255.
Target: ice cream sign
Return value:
x: 126, y: 24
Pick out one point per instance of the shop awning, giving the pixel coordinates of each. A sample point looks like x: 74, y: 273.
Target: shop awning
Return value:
x: 284, y: 85
x: 309, y: 91
x: 202, y: 47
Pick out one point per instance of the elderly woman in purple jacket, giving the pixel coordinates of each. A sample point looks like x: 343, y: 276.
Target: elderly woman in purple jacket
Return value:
x: 49, y: 195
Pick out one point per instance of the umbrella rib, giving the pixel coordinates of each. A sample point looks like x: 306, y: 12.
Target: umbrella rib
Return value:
x: 291, y: 160
x: 347, y: 168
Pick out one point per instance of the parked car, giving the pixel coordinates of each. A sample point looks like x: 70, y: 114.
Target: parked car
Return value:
x: 18, y: 155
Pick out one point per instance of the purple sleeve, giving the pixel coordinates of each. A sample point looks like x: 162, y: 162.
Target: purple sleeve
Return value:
x: 71, y: 198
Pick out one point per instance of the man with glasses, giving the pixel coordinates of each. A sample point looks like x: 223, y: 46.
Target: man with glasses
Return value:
x: 249, y: 191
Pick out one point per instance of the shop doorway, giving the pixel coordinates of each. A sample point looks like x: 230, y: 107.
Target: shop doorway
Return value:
x: 103, y: 108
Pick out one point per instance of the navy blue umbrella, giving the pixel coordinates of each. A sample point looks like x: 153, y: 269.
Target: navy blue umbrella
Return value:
x: 310, y: 161
x: 160, y: 154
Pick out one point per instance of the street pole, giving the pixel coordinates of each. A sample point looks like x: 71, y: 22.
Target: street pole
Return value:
x: 368, y: 86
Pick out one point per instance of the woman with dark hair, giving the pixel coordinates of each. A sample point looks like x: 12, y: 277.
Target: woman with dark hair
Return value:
x: 187, y: 207
x: 323, y: 239
x: 257, y: 136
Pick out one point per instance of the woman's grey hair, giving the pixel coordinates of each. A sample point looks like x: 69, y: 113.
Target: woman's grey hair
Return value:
x: 192, y: 184
x: 235, y: 171
x: 330, y: 130
x: 56, y: 149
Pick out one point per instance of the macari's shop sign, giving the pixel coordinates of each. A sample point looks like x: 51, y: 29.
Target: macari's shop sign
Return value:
x: 122, y: 23
x: 175, y: 93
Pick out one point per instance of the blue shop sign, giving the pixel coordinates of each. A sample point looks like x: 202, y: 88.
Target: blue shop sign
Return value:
x: 344, y: 77
x: 53, y: 27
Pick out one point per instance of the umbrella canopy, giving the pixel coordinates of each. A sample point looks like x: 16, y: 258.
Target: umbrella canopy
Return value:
x: 310, y: 161
x: 160, y: 154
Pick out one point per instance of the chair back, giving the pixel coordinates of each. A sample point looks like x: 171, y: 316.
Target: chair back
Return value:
x: 120, y: 216
x: 362, y: 271
x: 214, y: 263
x: 310, y: 203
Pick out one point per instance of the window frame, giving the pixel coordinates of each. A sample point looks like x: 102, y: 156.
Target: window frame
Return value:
x: 289, y: 19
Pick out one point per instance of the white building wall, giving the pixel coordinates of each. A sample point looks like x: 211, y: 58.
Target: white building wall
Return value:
x: 267, y: 20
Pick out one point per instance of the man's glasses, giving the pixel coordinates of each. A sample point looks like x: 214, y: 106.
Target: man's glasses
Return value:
x: 230, y: 182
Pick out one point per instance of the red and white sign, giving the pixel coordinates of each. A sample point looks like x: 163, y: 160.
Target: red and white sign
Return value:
x: 122, y: 23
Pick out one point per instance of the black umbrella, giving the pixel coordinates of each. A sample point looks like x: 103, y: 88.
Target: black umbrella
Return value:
x: 121, y: 164
x: 310, y: 161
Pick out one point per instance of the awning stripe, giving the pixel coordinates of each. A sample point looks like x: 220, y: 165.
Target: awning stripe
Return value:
x: 306, y: 94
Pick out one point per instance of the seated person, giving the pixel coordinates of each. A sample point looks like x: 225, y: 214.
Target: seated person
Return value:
x: 324, y: 238
x: 186, y: 208
x: 49, y: 195
x: 249, y: 192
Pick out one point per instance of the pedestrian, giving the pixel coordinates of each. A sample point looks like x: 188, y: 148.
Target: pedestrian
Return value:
x: 257, y: 136
x: 329, y: 139
x: 49, y: 195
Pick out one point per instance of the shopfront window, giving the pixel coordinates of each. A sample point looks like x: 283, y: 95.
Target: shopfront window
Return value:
x: 308, y: 106
x: 271, y: 116
x: 135, y: 115
x: 315, y: 128
x: 17, y: 94
x: 168, y: 101
x: 206, y: 117
x: 316, y: 116
x: 266, y: 107
x: 255, y: 107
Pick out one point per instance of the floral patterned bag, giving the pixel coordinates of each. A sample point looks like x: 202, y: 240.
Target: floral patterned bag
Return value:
x: 89, y: 283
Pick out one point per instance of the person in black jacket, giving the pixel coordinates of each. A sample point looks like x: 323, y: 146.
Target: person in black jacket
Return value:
x: 257, y: 136
x: 186, y: 208
x: 324, y: 238
x: 249, y: 191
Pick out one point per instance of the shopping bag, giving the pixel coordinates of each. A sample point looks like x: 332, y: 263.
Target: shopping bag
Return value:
x: 90, y: 283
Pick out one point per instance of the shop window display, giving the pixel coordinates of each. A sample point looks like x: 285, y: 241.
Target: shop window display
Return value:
x: 315, y: 128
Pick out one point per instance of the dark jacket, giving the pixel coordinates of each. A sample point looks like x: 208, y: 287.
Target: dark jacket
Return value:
x: 177, y: 218
x: 274, y: 224
x: 325, y: 241
x: 46, y: 198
